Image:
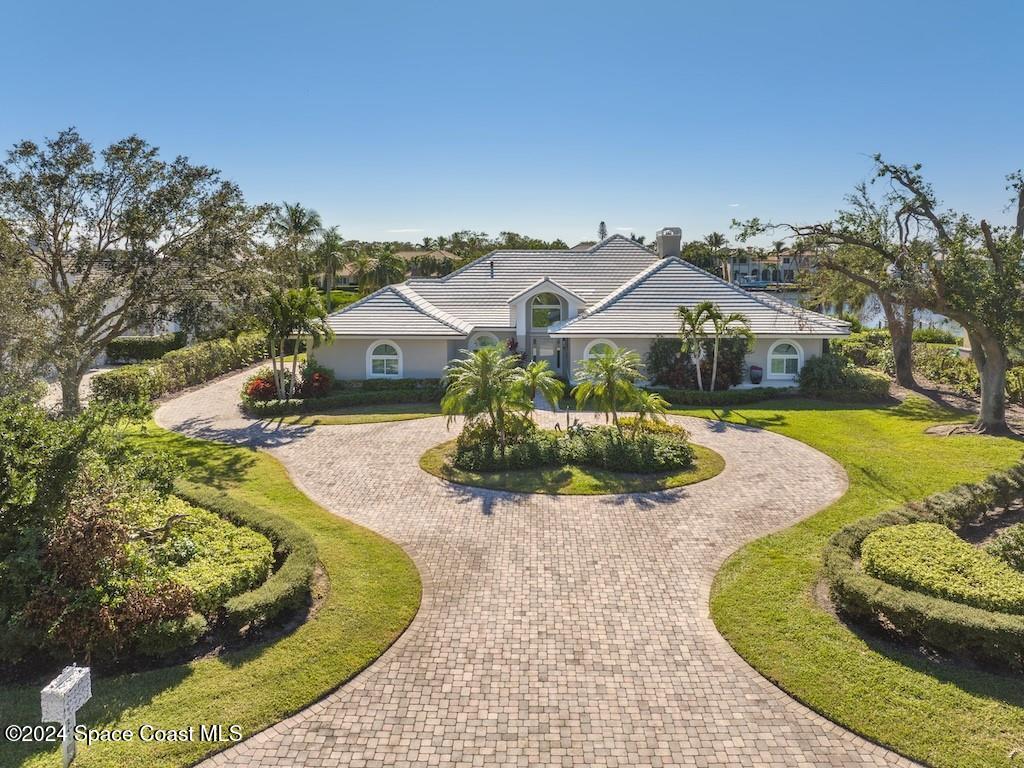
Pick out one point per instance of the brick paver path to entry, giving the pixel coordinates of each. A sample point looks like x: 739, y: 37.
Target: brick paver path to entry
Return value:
x: 553, y: 630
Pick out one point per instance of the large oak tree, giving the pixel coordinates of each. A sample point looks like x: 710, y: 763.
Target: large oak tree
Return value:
x: 119, y: 239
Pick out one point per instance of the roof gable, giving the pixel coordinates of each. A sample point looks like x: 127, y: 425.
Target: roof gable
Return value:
x: 395, y: 310
x: 647, y: 304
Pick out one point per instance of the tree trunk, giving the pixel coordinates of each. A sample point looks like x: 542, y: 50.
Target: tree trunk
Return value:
x: 714, y: 365
x: 992, y: 362
x: 900, y: 321
x: 70, y: 386
x: 696, y: 364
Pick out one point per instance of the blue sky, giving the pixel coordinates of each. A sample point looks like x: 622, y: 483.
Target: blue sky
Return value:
x: 538, y: 117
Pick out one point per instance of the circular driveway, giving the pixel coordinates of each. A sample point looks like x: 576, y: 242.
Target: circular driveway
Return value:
x: 554, y: 630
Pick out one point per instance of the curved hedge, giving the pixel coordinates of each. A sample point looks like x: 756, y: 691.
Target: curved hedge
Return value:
x: 347, y: 395
x: 936, y: 622
x: 178, y: 369
x: 125, y: 349
x: 288, y: 587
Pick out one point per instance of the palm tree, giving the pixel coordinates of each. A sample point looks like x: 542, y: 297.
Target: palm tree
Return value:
x: 387, y: 267
x: 486, y: 384
x: 538, y: 377
x: 295, y: 226
x: 329, y: 253
x: 362, y: 264
x: 608, y: 379
x: 298, y: 313
x: 691, y: 331
x: 732, y: 325
x: 650, y: 405
x: 716, y: 242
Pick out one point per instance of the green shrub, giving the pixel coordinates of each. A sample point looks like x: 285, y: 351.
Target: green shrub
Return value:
x: 666, y: 365
x: 930, y: 558
x: 832, y: 377
x: 719, y: 397
x: 134, y: 348
x: 163, y: 638
x: 288, y: 587
x: 935, y: 336
x: 936, y: 622
x: 345, y: 398
x: 1015, y: 385
x: 1008, y: 546
x: 211, y: 556
x: 178, y: 369
x: 603, y: 447
x: 943, y: 364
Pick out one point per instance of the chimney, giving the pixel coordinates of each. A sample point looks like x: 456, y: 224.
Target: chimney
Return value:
x: 670, y: 241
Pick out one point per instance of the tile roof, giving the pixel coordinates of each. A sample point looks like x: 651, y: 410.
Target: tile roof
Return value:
x: 395, y: 311
x: 646, y: 305
x: 479, y: 292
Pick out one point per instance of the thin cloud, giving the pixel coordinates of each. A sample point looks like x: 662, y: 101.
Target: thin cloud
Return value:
x: 407, y: 229
x: 734, y: 205
x: 624, y: 229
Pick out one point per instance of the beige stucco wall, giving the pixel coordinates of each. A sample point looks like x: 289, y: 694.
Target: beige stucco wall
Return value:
x: 421, y: 358
x: 810, y: 347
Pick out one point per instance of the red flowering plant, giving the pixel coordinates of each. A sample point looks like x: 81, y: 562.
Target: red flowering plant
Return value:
x: 316, y: 381
x: 260, y: 387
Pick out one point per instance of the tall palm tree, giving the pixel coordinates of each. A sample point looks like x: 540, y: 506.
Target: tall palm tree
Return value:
x: 648, y: 405
x: 295, y: 226
x: 329, y: 253
x: 538, y: 377
x: 295, y: 313
x: 716, y: 242
x: 692, y: 333
x: 723, y: 326
x: 486, y: 384
x: 610, y: 380
x: 362, y: 268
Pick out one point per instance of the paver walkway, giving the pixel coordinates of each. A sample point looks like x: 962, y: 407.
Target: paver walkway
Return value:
x: 553, y: 630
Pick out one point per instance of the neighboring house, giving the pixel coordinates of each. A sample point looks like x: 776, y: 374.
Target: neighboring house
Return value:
x: 415, y: 262
x: 559, y: 306
x: 759, y: 270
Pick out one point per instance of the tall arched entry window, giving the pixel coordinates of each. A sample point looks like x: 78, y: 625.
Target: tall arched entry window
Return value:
x: 481, y: 340
x: 545, y: 310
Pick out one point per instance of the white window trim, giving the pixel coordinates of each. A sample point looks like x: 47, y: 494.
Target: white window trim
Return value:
x: 594, y: 343
x: 370, y: 357
x: 530, y: 306
x: 475, y: 339
x: 799, y: 360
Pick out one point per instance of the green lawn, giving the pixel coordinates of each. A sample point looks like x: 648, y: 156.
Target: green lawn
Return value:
x: 762, y: 598
x: 373, y: 595
x: 571, y: 479
x: 366, y: 414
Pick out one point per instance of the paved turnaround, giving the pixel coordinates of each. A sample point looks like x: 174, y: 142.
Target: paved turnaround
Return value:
x: 554, y: 630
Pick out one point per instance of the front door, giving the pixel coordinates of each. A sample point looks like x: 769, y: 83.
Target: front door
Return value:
x: 546, y: 348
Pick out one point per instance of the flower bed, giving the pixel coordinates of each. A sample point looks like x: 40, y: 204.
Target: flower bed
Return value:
x: 915, y: 598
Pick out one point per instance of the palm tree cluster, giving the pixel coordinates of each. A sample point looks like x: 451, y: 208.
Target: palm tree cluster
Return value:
x: 295, y: 313
x: 706, y: 321
x: 609, y: 381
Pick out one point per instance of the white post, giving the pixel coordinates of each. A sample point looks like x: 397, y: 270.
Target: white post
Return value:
x: 61, y: 699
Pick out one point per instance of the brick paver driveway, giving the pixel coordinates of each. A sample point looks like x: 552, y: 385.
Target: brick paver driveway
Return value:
x: 553, y: 630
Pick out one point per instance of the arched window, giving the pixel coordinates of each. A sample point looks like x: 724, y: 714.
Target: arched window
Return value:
x: 598, y: 347
x: 384, y: 360
x: 545, y: 309
x: 785, y: 358
x: 481, y: 340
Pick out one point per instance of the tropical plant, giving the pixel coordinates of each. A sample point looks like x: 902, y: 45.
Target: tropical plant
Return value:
x: 609, y: 379
x: 486, y: 385
x: 648, y: 405
x: 538, y: 377
x: 691, y: 332
x: 329, y: 253
x: 716, y: 243
x: 295, y: 226
x: 296, y: 313
x: 733, y: 325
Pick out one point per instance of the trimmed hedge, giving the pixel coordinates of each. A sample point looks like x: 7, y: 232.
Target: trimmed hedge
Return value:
x: 130, y: 349
x: 832, y: 377
x: 427, y: 391
x: 930, y: 558
x: 288, y: 587
x: 936, y: 622
x: 178, y: 369
x: 723, y: 397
